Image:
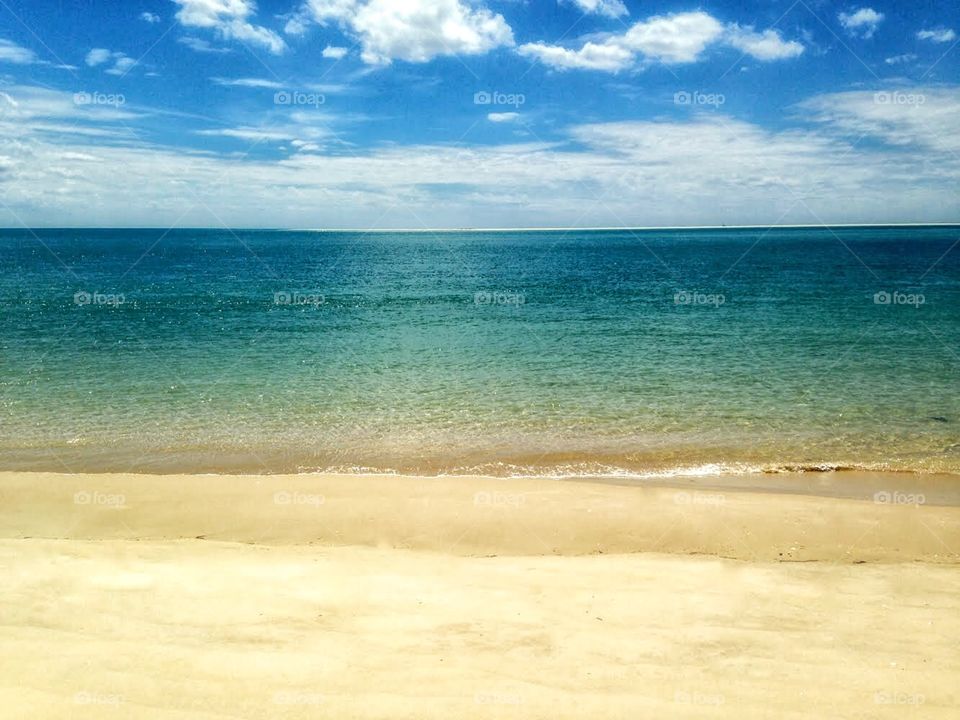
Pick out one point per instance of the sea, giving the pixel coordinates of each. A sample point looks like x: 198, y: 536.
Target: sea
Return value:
x: 587, y: 353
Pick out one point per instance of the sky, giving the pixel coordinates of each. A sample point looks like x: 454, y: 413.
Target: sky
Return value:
x: 477, y: 113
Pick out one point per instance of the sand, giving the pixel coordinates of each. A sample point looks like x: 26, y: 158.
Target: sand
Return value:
x: 360, y: 597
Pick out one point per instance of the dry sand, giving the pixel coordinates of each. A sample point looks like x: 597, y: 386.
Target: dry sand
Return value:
x: 356, y: 597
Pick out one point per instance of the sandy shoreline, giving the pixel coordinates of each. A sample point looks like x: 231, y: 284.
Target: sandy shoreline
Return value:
x: 483, y: 516
x: 330, y: 596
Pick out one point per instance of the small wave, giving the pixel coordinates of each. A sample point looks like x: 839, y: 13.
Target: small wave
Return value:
x: 817, y: 468
x: 605, y: 471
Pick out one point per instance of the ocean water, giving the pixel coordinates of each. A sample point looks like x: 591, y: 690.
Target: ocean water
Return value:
x: 560, y: 352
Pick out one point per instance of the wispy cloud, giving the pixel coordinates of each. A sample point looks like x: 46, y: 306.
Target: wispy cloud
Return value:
x: 202, y: 46
x: 230, y: 20
x: 248, y: 83
x: 10, y: 52
x: 701, y: 170
x: 900, y: 59
x: 938, y: 35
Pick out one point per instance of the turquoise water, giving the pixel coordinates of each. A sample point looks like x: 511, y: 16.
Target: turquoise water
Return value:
x: 577, y: 352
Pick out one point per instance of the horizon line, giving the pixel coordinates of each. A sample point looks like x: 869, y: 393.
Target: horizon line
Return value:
x: 492, y: 229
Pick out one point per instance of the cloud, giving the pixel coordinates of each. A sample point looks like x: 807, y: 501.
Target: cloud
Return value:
x: 249, y: 133
x: 767, y: 45
x: 673, y: 39
x: 924, y: 119
x: 305, y: 146
x: 861, y: 23
x: 202, y: 46
x: 414, y: 31
x: 248, y: 83
x: 503, y: 117
x: 670, y: 39
x: 900, y: 59
x: 150, y: 17
x: 703, y: 170
x: 592, y: 56
x: 98, y: 56
x: 24, y: 107
x: 937, y: 35
x: 12, y: 53
x: 336, y: 53
x: 230, y: 20
x: 608, y: 8
x: 121, y: 63
x: 122, y: 66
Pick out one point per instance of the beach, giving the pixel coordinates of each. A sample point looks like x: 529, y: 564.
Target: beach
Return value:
x: 425, y: 597
x: 470, y: 360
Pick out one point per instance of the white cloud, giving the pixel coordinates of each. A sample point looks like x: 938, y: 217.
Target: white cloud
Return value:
x: 24, y: 106
x: 767, y: 45
x: 592, y: 56
x: 919, y: 118
x: 122, y: 66
x: 413, y: 30
x: 12, y: 53
x: 503, y: 117
x: 861, y: 23
x: 248, y: 83
x: 248, y: 133
x: 670, y: 39
x: 702, y: 171
x: 150, y: 17
x: 230, y: 20
x: 938, y: 35
x: 98, y: 56
x: 900, y: 59
x: 609, y: 8
x: 305, y: 146
x: 121, y: 63
x: 336, y: 53
x: 201, y: 46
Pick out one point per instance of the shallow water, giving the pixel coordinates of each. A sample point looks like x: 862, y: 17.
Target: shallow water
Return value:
x: 618, y: 353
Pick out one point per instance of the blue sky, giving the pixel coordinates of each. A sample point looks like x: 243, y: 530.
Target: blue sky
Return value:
x: 449, y: 113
